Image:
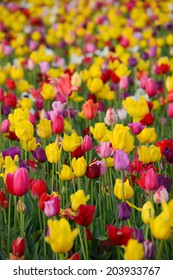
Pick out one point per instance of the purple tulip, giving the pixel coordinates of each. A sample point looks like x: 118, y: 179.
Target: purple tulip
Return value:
x: 12, y: 152
x: 52, y: 206
x: 39, y: 154
x: 149, y: 249
x: 124, y: 211
x: 121, y: 160
x: 136, y: 127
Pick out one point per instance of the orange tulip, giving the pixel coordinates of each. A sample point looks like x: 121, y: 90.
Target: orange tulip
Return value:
x: 89, y: 109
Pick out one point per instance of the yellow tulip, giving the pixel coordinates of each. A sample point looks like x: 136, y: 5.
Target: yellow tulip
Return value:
x: 24, y: 130
x: 29, y: 146
x: 148, y: 212
x: 137, y: 109
x: 70, y: 143
x: 134, y: 250
x: 48, y: 92
x: 98, y: 131
x: 78, y: 198
x: 95, y: 85
x: 66, y: 173
x: 44, y: 129
x: 121, y: 192
x: 79, y: 166
x: 169, y: 83
x: 147, y: 135
x: 149, y: 154
x: 61, y: 237
x: 122, y: 139
x: 53, y: 152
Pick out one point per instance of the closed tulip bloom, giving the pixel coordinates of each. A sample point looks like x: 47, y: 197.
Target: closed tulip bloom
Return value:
x: 118, y: 189
x: 98, y: 131
x: 66, y: 174
x: 150, y: 87
x: 52, y: 206
x: 161, y: 195
x: 24, y: 130
x: 160, y: 227
x: 104, y: 150
x: 5, y: 126
x: 79, y: 166
x: 48, y: 92
x: 93, y: 171
x: 134, y: 250
x: 44, y: 129
x: 87, y: 143
x: 85, y: 215
x: 95, y: 85
x: 3, y: 200
x: 61, y: 237
x: 38, y: 187
x: 124, y: 211
x: 151, y: 182
x: 70, y: 143
x: 18, y: 247
x: 149, y: 249
x: 124, y: 83
x: 122, y: 139
x: 53, y: 152
x: 90, y: 109
x: 18, y: 182
x: 147, y: 135
x: 170, y: 110
x: 39, y: 154
x: 169, y: 83
x: 29, y: 146
x: 136, y: 127
x: 111, y: 117
x: 148, y: 212
x: 58, y: 124
x: 121, y: 160
x: 78, y: 198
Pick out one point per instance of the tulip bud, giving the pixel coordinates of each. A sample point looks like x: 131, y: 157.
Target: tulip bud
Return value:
x: 160, y: 195
x: 58, y: 124
x: 52, y: 206
x: 136, y: 127
x: 5, y: 126
x: 87, y: 143
x: 151, y: 182
x: 149, y: 249
x: 18, y: 247
x: 19, y: 206
x: 39, y: 154
x: 18, y: 182
x: 151, y: 88
x: 38, y: 187
x: 124, y: 82
x: 148, y: 212
x: 124, y: 211
x: 170, y: 110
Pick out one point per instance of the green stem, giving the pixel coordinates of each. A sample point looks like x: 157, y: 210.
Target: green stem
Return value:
x: 82, y: 244
x: 21, y: 219
x: 39, y: 216
x: 86, y: 244
x: 9, y: 219
x: 53, y: 171
x: 44, y: 243
x: 123, y: 191
x: 160, y: 250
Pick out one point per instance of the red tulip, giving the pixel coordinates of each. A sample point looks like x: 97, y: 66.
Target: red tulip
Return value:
x: 84, y: 215
x: 38, y: 187
x: 43, y: 198
x: 58, y: 124
x: 3, y: 200
x: 150, y: 87
x: 119, y: 236
x: 10, y: 100
x: 18, y: 183
x: 18, y: 247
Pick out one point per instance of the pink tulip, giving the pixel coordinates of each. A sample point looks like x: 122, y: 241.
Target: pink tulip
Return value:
x: 161, y: 195
x: 151, y: 182
x: 136, y: 127
x: 150, y: 87
x: 58, y: 124
x: 124, y: 83
x: 87, y: 143
x: 105, y: 149
x: 111, y: 117
x: 170, y: 110
x: 18, y: 182
x: 5, y: 126
x: 52, y: 206
x: 63, y: 85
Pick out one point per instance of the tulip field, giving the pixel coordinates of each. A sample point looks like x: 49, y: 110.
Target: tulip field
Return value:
x: 86, y: 130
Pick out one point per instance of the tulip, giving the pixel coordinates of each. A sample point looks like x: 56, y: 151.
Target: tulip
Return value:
x: 95, y: 85
x: 70, y: 143
x: 52, y: 206
x: 124, y: 211
x: 18, y: 183
x: 30, y: 145
x: 12, y: 152
x: 92, y: 171
x: 90, y: 109
x: 119, y: 236
x: 138, y: 235
x: 3, y: 200
x: 123, y: 190
x: 111, y: 117
x: 10, y: 100
x: 79, y: 166
x: 104, y: 150
x: 53, y: 152
x: 122, y: 114
x: 78, y: 198
x: 87, y: 143
x: 37, y: 187
x: 151, y: 182
x: 134, y: 250
x: 1, y: 95
x: 18, y: 247
x: 61, y: 237
x: 169, y: 83
x: 47, y: 92
x: 5, y: 126
x: 63, y: 85
x: 85, y: 214
x: 122, y: 139
x: 136, y: 127
x: 44, y: 128
x: 149, y: 249
x: 149, y: 154
x: 24, y: 130
x: 39, y: 154
x: 43, y: 198
x: 66, y: 174
x: 124, y: 82
x: 121, y: 160
x: 161, y: 195
x: 98, y: 130
x: 148, y: 212
x: 78, y: 152
x: 161, y: 227
x: 58, y: 124
x: 147, y: 135
x: 170, y: 110
x: 150, y: 87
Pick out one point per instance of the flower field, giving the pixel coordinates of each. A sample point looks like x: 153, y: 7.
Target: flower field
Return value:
x: 86, y: 130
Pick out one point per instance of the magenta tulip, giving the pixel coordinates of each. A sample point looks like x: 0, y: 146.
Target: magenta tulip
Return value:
x: 18, y: 182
